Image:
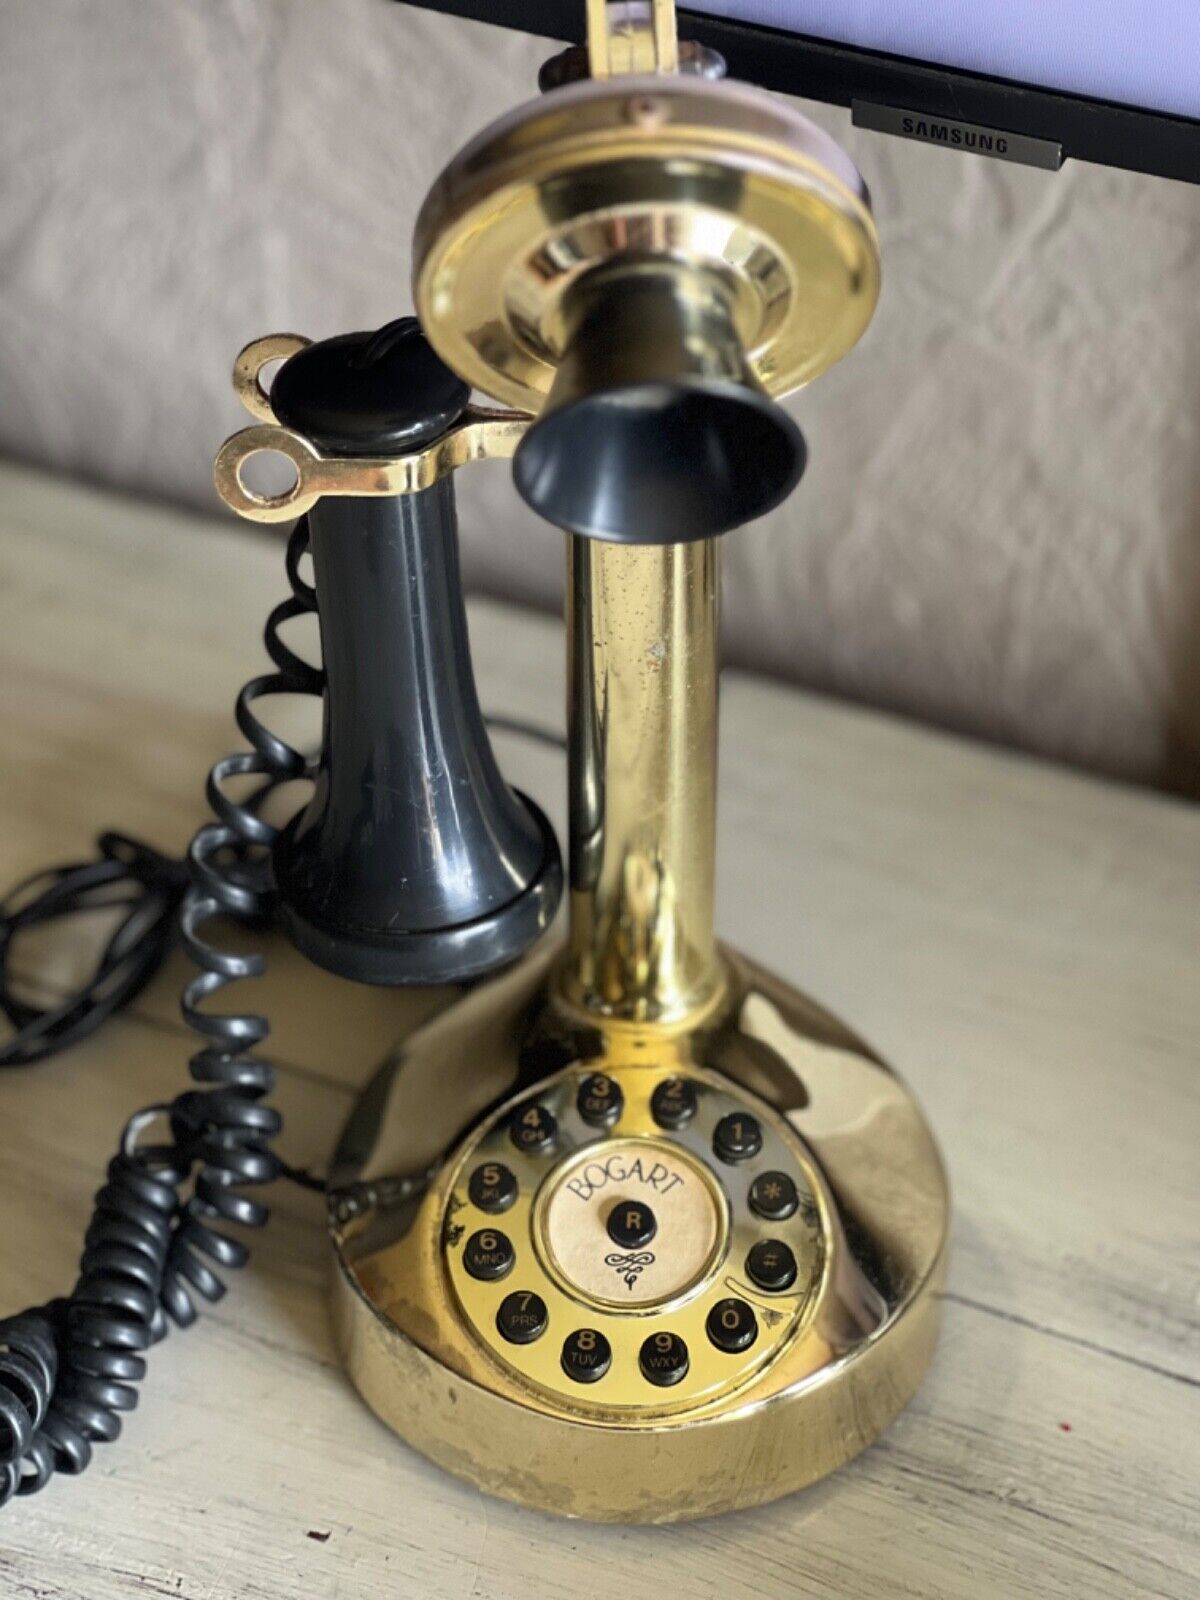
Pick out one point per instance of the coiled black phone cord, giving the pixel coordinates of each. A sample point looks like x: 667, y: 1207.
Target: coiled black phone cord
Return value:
x: 69, y: 1369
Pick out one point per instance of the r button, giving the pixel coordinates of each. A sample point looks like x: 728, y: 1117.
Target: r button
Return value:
x: 631, y: 1223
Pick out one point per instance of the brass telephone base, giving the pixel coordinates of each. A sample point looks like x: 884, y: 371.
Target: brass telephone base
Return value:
x: 637, y: 1273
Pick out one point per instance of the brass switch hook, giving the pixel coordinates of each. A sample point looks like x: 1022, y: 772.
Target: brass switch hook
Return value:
x: 482, y: 434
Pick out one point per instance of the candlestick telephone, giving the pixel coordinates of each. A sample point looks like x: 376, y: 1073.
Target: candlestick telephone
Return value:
x: 629, y: 1228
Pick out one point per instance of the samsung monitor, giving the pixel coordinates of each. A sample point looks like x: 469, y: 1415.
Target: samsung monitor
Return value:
x: 1038, y: 81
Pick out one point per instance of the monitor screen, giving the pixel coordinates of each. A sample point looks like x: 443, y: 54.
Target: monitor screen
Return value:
x: 1142, y: 53
x: 1112, y: 81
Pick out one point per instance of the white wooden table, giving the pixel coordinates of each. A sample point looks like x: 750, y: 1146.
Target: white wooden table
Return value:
x: 1021, y: 942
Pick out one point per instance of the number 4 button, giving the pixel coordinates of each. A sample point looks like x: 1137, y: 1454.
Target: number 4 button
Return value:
x: 533, y: 1129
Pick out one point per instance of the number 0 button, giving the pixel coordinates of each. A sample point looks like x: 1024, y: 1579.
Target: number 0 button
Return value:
x: 533, y: 1129
x: 732, y: 1326
x: 586, y: 1355
x: 488, y: 1255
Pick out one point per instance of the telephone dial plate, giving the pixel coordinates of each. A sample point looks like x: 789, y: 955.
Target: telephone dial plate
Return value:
x: 644, y: 1237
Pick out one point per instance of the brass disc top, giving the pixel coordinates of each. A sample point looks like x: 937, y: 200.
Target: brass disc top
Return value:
x: 713, y: 175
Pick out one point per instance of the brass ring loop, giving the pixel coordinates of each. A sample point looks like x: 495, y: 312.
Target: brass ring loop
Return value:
x: 250, y: 362
x: 236, y: 451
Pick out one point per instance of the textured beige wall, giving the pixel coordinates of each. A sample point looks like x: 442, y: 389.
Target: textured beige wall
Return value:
x: 999, y: 528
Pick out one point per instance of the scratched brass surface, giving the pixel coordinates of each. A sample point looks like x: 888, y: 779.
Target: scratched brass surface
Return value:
x: 642, y: 765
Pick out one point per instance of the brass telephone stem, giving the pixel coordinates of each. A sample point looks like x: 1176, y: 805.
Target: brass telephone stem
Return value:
x: 642, y: 723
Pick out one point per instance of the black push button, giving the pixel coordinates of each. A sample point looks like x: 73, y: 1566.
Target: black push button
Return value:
x: 600, y: 1101
x: 732, y: 1326
x: 773, y: 1196
x: 771, y: 1265
x: 673, y: 1103
x: 533, y: 1129
x: 492, y: 1187
x: 631, y: 1223
x: 586, y: 1355
x: 737, y: 1137
x: 522, y: 1317
x: 663, y: 1359
x: 489, y: 1255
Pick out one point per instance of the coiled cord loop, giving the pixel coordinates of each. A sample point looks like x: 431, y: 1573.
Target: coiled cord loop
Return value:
x: 69, y: 1370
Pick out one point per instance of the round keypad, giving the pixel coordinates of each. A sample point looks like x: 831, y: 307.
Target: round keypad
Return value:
x: 633, y: 1240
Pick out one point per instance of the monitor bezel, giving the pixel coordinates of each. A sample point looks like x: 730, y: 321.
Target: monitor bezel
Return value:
x: 1099, y: 131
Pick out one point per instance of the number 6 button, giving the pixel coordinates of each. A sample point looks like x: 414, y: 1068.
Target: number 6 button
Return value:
x: 489, y: 1255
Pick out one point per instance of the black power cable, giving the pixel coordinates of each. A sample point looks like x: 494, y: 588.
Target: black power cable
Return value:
x: 126, y: 874
x: 69, y: 1369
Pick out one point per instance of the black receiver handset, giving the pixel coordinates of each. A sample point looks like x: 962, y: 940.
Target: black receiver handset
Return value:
x: 413, y: 862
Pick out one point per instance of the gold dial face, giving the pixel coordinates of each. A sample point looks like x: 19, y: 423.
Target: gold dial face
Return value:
x: 634, y: 1241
